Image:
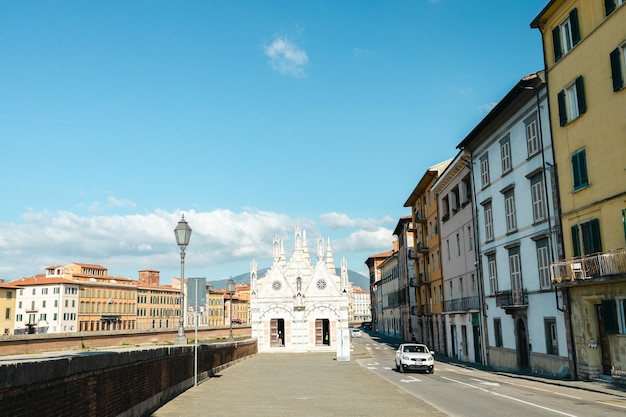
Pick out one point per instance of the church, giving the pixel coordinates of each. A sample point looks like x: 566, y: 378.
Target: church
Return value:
x: 299, y: 305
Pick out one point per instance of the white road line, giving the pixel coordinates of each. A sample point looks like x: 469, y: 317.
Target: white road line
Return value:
x: 511, y: 398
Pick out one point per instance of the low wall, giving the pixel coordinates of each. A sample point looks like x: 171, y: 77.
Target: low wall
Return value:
x: 124, y: 382
x: 52, y: 342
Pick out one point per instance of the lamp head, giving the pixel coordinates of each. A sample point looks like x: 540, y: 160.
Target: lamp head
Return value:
x: 182, y: 233
x: 231, y: 285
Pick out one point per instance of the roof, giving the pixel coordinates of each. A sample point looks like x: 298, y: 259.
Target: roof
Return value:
x: 430, y: 174
x: 537, y: 21
x: 42, y: 280
x: 525, y: 88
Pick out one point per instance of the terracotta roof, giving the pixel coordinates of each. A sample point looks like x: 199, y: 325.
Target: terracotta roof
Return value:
x: 42, y: 280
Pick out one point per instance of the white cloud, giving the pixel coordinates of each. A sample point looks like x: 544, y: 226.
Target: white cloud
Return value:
x: 286, y: 58
x: 222, y: 243
x: 340, y: 221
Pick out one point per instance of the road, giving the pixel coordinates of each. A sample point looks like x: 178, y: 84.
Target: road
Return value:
x: 467, y: 392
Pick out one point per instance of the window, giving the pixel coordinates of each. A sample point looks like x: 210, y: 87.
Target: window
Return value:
x: 566, y: 35
x: 448, y: 247
x: 571, y: 101
x: 611, y: 5
x: 44, y: 291
x: 509, y: 211
x: 532, y: 140
x: 497, y: 330
x: 484, y: 169
x: 589, y: 233
x: 618, y: 66
x: 552, y: 343
x: 515, y: 270
x: 470, y: 239
x: 9, y: 295
x: 505, y: 154
x: 493, y: 273
x: 458, y: 245
x: 579, y: 169
x: 614, y: 316
x: 7, y: 313
x: 488, y: 222
x: 543, y: 263
x: 537, y: 198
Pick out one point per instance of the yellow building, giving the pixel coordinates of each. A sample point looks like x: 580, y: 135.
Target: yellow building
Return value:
x: 427, y: 254
x: 105, y: 302
x: 584, y: 46
x: 157, y: 305
x: 7, y: 307
x: 216, y: 308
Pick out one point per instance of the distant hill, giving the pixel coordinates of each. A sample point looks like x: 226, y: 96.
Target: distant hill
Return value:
x: 357, y: 280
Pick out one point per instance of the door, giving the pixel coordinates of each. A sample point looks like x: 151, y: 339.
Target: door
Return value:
x: 603, y: 342
x: 322, y: 332
x: 454, y: 344
x: 523, y: 359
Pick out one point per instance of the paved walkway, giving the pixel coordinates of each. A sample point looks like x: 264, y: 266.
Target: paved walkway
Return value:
x: 283, y: 384
x: 315, y: 384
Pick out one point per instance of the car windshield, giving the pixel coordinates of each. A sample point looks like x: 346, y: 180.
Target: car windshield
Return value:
x: 415, y: 349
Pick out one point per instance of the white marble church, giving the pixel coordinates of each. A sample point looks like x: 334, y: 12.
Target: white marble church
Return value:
x: 299, y: 305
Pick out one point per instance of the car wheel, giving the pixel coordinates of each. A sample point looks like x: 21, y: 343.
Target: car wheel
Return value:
x: 401, y: 369
x: 397, y: 368
x: 431, y: 370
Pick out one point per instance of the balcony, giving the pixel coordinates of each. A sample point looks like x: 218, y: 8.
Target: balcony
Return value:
x: 422, y: 247
x: 462, y: 304
x: 420, y: 217
x: 604, y: 265
x: 512, y: 299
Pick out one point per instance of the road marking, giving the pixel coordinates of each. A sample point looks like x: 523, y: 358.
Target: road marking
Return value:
x: 493, y: 384
x: 511, y: 398
x: 611, y: 403
x: 411, y: 379
x: 373, y: 364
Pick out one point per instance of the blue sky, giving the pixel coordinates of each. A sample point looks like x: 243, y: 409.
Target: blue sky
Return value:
x: 116, y: 117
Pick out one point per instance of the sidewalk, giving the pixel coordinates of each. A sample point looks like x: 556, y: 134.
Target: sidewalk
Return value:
x: 287, y: 384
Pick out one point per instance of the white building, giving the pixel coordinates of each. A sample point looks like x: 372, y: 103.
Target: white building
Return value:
x: 512, y: 172
x: 299, y: 305
x: 462, y: 286
x: 390, y: 323
x: 361, y: 307
x: 46, y: 304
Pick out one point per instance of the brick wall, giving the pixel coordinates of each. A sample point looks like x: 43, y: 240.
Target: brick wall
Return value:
x: 130, y: 382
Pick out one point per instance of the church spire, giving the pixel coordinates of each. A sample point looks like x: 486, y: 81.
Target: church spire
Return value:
x: 330, y: 262
x: 344, y: 275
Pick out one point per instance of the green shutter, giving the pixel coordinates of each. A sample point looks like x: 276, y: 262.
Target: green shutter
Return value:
x: 624, y: 221
x: 596, y: 240
x: 575, y: 240
x: 608, y: 309
x: 573, y: 19
x: 556, y: 42
x: 616, y: 70
x: 562, y: 109
x: 580, y: 93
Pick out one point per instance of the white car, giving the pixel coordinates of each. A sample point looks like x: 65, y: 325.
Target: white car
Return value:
x: 415, y: 356
x: 355, y: 332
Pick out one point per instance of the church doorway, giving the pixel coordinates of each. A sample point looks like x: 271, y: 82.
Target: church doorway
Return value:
x: 322, y: 332
x: 277, y: 332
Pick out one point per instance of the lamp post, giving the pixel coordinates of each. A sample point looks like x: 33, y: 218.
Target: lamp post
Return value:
x: 231, y: 291
x: 183, y: 234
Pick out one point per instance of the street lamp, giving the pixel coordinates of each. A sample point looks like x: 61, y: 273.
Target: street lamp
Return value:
x: 183, y: 234
x: 231, y: 291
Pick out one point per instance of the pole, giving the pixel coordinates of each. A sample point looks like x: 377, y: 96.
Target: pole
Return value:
x: 181, y: 339
x: 195, y: 377
x: 230, y: 334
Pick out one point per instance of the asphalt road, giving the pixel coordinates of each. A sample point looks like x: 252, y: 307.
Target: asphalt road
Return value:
x: 461, y: 391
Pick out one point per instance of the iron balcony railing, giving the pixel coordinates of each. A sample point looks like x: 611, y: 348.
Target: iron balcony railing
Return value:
x: 462, y: 304
x: 607, y: 265
x: 512, y: 298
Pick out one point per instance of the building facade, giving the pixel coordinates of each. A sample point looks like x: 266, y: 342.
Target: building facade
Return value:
x: 373, y: 262
x: 404, y: 232
x: 427, y: 252
x: 584, y: 46
x: 390, y: 322
x: 299, y: 305
x: 8, y: 295
x: 512, y: 159
x: 462, y: 286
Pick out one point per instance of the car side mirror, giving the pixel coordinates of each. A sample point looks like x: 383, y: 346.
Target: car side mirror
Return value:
x: 432, y: 353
